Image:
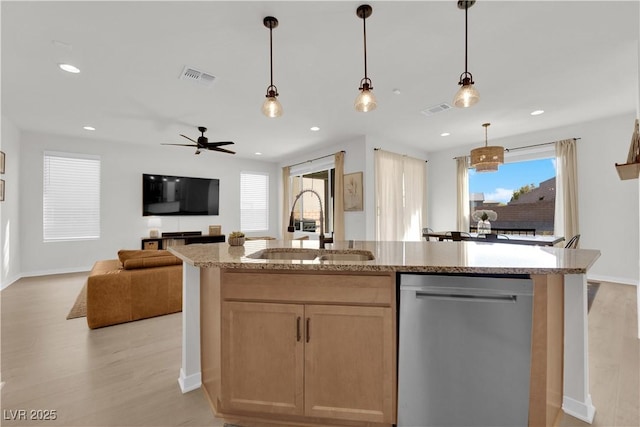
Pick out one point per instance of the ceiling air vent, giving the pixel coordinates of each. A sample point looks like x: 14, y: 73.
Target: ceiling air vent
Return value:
x: 190, y: 73
x: 435, y: 109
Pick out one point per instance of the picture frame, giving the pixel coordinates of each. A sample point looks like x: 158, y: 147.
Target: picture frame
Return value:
x: 1, y: 162
x: 353, y: 192
x: 1, y: 190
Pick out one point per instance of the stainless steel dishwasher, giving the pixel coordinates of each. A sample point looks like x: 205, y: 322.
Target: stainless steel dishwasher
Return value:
x: 464, y: 350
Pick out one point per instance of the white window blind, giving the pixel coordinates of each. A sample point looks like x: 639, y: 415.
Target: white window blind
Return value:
x: 254, y: 201
x: 71, y: 197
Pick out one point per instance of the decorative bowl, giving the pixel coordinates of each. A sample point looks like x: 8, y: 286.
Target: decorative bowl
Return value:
x: 236, y: 241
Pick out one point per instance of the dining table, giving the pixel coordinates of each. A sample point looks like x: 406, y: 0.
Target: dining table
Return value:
x: 514, y: 239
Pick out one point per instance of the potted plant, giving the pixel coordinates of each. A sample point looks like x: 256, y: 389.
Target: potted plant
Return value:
x: 236, y: 238
x: 484, y: 216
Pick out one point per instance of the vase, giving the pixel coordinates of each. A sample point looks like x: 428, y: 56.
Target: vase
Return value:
x: 236, y: 241
x: 484, y: 227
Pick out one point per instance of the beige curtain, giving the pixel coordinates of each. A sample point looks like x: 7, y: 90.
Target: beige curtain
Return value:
x: 415, y: 183
x: 338, y: 198
x: 388, y: 189
x: 400, y: 187
x: 286, y: 181
x: 566, y: 215
x: 462, y: 164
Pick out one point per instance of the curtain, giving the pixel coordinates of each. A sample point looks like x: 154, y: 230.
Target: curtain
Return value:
x: 400, y: 186
x: 286, y: 181
x: 338, y: 198
x: 462, y: 164
x: 566, y: 215
x: 415, y: 183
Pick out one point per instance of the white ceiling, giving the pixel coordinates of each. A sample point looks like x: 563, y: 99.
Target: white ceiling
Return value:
x: 577, y: 60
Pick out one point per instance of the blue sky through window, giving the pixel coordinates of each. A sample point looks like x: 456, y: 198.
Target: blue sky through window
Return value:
x: 499, y: 186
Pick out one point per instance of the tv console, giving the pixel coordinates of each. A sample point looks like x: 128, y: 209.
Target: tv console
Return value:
x: 180, y: 238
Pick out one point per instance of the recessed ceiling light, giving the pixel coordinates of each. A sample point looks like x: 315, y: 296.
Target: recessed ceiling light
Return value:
x: 257, y: 153
x: 396, y: 91
x: 69, y: 68
x: 445, y: 134
x: 314, y: 128
x: 537, y: 112
x: 89, y: 128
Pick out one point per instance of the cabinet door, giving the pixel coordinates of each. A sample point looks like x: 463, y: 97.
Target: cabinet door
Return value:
x: 262, y: 357
x: 349, y: 366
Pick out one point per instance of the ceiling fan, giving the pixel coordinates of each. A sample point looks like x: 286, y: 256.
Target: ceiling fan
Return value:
x: 203, y: 143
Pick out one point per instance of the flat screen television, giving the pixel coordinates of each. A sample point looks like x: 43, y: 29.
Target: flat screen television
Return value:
x: 179, y: 195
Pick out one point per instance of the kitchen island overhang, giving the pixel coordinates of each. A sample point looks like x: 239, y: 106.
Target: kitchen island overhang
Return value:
x: 465, y: 258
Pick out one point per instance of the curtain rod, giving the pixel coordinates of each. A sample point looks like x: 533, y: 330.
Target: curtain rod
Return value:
x: 526, y: 146
x: 317, y: 158
x: 404, y: 155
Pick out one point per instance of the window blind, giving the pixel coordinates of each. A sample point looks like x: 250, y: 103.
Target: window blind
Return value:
x: 71, y: 197
x: 254, y: 201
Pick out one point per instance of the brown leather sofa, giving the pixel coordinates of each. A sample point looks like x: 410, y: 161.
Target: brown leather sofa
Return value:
x: 138, y: 285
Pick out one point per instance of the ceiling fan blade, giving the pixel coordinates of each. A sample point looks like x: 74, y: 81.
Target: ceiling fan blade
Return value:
x: 219, y: 143
x: 180, y: 145
x: 184, y: 136
x: 223, y: 150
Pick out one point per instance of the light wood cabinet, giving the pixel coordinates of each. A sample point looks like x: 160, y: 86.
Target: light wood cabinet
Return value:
x: 288, y: 355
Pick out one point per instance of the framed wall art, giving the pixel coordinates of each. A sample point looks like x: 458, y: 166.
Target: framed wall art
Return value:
x: 2, y: 162
x: 1, y: 190
x: 353, y: 192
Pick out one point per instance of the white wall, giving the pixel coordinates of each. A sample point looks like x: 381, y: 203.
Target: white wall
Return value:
x: 122, y: 223
x: 9, y: 217
x: 608, y: 207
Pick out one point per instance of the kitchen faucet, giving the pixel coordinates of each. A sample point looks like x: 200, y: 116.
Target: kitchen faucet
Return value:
x: 291, y: 227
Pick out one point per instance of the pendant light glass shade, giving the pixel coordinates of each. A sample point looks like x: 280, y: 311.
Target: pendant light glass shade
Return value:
x: 487, y: 158
x: 467, y: 95
x: 366, y: 100
x: 271, y: 106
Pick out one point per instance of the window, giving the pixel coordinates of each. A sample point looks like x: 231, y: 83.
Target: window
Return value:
x: 71, y: 197
x: 521, y: 193
x: 319, y: 177
x: 254, y: 201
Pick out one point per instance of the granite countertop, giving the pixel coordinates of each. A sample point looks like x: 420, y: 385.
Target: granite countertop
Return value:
x: 410, y: 257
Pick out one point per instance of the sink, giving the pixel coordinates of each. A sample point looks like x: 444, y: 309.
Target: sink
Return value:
x: 347, y: 256
x: 307, y: 254
x: 286, y: 254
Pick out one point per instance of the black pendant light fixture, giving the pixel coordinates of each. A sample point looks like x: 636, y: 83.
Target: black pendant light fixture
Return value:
x: 467, y: 95
x: 271, y: 107
x: 366, y: 100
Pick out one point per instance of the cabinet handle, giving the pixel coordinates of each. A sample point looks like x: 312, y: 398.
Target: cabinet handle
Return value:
x: 298, y: 332
x: 308, y: 329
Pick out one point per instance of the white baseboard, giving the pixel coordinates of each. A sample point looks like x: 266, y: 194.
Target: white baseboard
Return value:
x: 620, y: 280
x: 9, y: 281
x: 189, y: 383
x: 584, y: 411
x: 57, y: 271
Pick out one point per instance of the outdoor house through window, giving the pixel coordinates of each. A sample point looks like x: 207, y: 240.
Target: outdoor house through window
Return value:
x: 522, y: 194
x: 318, y: 177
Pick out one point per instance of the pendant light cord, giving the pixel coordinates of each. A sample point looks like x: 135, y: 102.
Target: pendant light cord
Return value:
x: 466, y: 35
x: 364, y: 27
x: 271, y: 49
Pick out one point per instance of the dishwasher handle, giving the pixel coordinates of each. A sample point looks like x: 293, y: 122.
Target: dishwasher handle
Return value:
x: 467, y: 297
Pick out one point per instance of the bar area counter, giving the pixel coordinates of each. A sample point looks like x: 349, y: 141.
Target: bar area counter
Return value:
x: 285, y: 333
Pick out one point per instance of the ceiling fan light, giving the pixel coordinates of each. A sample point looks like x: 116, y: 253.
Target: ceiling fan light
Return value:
x: 466, y: 96
x: 365, y: 101
x: 272, y: 107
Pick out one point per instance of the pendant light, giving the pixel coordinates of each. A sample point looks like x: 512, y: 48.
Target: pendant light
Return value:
x: 467, y: 95
x: 271, y: 107
x: 487, y: 158
x: 366, y: 100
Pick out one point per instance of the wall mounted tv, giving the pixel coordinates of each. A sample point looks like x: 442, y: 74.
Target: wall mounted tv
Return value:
x: 179, y: 195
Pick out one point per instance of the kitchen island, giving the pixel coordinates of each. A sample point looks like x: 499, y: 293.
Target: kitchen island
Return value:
x: 324, y: 322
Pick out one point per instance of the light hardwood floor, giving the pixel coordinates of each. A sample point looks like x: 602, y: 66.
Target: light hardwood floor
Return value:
x: 126, y: 375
